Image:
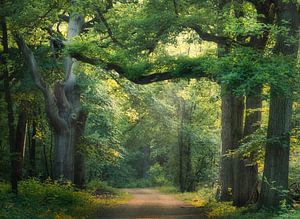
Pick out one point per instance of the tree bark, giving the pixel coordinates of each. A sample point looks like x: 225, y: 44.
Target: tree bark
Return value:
x: 232, y: 132
x: 275, y: 176
x: 20, y: 143
x: 79, y: 168
x: 276, y: 167
x: 246, y: 180
x: 32, y: 151
x: 184, y: 144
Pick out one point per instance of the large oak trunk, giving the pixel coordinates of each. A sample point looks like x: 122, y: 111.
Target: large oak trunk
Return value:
x: 276, y: 167
x: 64, y: 143
x: 62, y: 106
x: 232, y: 132
x: 275, y: 177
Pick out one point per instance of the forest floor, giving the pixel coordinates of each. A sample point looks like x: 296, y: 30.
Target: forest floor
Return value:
x: 150, y: 203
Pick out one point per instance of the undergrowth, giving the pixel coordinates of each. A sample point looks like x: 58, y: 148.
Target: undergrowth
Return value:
x: 51, y: 200
x: 205, y: 198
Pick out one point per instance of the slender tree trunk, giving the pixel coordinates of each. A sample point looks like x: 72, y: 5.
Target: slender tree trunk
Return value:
x: 32, y: 151
x: 184, y: 144
x: 146, y: 165
x: 246, y: 180
x: 20, y: 143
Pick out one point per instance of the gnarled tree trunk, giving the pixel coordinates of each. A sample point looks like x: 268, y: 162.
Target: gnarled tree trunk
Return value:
x: 62, y: 106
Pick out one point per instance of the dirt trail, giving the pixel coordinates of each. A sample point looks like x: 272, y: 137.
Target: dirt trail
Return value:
x: 148, y: 203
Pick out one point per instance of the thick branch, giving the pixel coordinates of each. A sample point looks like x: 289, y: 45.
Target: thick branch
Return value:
x: 74, y: 28
x: 30, y: 60
x: 55, y: 120
x: 143, y: 79
x: 63, y: 17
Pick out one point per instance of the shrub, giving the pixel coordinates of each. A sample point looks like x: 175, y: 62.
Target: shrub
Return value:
x: 100, y: 187
x: 44, y: 200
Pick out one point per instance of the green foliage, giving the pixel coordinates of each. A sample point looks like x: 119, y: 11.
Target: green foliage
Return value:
x: 44, y: 200
x: 157, y: 175
x: 99, y: 187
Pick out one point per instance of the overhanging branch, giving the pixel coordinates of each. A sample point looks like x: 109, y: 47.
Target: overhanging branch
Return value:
x: 142, y: 79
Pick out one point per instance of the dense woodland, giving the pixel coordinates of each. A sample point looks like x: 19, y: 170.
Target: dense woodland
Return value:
x: 186, y: 94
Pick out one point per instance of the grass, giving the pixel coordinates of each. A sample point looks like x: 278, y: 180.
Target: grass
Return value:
x: 205, y: 199
x: 52, y: 200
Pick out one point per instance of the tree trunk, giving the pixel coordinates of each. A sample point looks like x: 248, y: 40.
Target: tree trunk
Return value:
x: 232, y: 132
x: 64, y: 154
x: 32, y: 151
x: 246, y: 180
x: 20, y: 143
x: 9, y: 105
x: 276, y: 168
x: 79, y: 168
x: 184, y: 144
x: 62, y: 104
x: 275, y: 177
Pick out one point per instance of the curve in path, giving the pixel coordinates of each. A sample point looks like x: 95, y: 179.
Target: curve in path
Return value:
x: 149, y: 203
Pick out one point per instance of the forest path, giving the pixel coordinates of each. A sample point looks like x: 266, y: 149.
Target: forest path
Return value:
x: 149, y: 203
